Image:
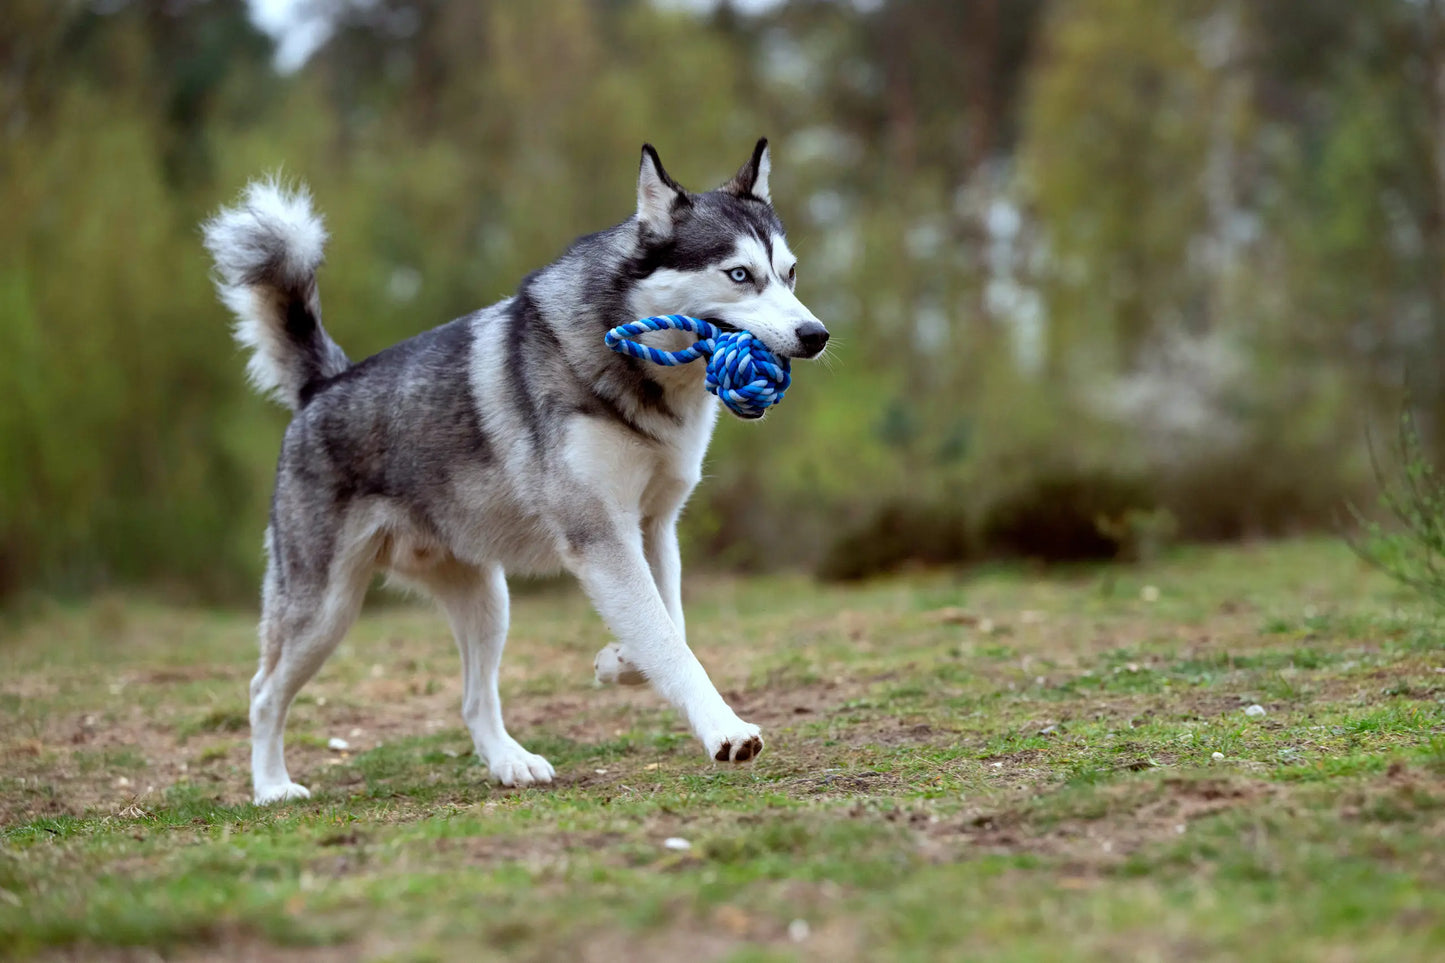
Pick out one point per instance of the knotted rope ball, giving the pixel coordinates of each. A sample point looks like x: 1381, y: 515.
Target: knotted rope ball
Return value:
x: 741, y: 371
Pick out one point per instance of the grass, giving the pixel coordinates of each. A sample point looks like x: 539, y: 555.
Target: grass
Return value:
x: 1010, y: 766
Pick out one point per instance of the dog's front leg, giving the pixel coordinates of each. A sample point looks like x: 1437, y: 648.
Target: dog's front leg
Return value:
x: 665, y: 561
x: 615, y: 574
x: 664, y: 557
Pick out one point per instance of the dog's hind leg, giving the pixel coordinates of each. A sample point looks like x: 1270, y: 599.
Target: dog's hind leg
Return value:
x: 302, y: 620
x: 476, y: 605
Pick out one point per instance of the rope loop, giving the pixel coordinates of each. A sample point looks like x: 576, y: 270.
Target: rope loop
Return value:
x: 741, y: 371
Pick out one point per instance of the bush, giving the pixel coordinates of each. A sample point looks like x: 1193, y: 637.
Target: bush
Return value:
x: 1413, y: 494
x: 1070, y: 516
x: 896, y: 535
x: 1256, y: 492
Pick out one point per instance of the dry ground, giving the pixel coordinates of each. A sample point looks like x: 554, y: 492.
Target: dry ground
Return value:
x: 1009, y: 765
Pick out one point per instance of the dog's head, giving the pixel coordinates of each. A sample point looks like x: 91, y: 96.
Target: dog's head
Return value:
x: 722, y: 256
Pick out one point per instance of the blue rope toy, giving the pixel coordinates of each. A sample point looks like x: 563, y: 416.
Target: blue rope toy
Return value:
x: 741, y: 371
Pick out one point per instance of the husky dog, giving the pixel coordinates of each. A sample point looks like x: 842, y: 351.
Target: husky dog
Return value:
x: 510, y: 440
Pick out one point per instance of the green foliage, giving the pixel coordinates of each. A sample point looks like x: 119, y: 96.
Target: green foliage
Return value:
x: 896, y: 535
x: 1067, y: 516
x: 1265, y: 175
x: 1412, y: 549
x: 1117, y: 109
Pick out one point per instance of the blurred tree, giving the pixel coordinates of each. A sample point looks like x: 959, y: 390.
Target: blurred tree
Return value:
x: 981, y: 191
x: 1361, y: 216
x: 1115, y: 160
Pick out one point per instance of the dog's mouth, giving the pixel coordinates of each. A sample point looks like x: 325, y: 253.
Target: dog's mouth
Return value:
x: 727, y: 326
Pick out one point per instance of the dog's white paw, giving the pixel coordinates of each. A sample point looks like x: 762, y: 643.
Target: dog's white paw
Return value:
x: 611, y: 667
x: 737, y: 742
x: 280, y: 792
x: 516, y: 766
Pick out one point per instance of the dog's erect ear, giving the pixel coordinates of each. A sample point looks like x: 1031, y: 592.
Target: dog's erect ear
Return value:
x: 657, y: 194
x: 752, y: 177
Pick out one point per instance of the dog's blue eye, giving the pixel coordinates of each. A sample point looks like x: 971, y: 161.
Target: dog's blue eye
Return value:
x: 740, y: 275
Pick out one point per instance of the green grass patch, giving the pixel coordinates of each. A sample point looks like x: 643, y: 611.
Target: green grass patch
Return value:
x: 1012, y: 767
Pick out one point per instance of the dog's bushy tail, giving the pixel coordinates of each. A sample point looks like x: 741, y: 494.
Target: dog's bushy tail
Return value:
x: 267, y: 250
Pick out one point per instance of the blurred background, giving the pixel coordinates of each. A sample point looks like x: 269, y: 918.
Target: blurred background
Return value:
x: 1102, y: 274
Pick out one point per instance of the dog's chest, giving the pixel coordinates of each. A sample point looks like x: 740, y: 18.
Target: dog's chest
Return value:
x: 651, y: 476
x: 679, y: 463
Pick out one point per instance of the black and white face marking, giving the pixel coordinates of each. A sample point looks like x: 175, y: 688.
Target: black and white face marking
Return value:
x: 763, y: 274
x: 722, y: 256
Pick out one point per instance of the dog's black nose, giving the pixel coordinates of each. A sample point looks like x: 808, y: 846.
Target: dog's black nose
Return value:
x: 812, y: 336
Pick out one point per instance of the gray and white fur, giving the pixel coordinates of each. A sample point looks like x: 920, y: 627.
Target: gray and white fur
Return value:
x: 509, y: 440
